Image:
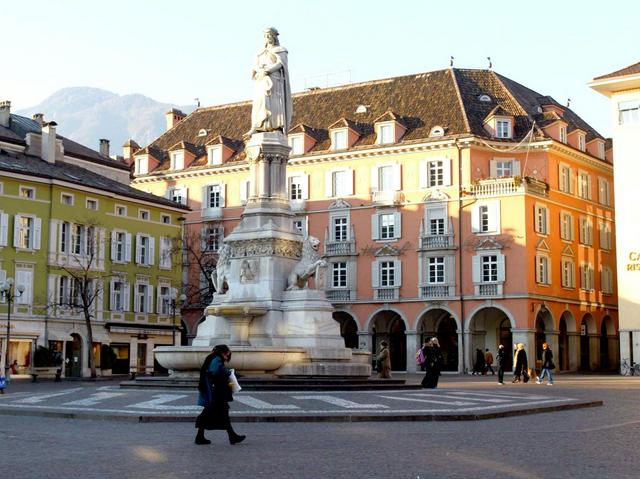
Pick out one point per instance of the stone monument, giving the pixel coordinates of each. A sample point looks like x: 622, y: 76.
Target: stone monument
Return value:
x: 270, y: 306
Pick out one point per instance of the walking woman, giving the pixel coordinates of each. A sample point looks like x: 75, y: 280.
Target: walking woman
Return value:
x: 521, y: 365
x: 433, y: 364
x: 384, y: 360
x: 215, y: 395
x: 500, y: 361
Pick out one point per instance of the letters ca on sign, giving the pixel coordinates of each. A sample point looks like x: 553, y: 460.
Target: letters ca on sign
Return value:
x: 634, y: 261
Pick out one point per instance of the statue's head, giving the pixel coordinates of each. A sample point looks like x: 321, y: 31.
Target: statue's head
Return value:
x: 271, y: 36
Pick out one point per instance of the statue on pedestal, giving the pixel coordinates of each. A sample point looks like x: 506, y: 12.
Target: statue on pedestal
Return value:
x: 272, y: 108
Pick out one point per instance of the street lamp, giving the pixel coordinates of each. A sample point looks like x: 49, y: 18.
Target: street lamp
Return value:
x: 8, y: 293
x: 174, y: 304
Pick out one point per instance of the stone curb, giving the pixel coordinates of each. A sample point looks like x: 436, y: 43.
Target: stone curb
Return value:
x: 156, y: 418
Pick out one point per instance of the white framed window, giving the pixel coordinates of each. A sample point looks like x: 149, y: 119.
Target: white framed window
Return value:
x: 605, y: 236
x: 543, y: 273
x: 212, y: 237
x: 145, y: 249
x: 4, y: 228
x: 568, y: 273
x: 601, y: 152
x: 27, y: 192
x: 603, y: 192
x: 214, y: 197
x: 387, y: 177
x: 339, y: 183
x: 143, y: 214
x: 386, y: 273
x: 584, y: 185
x: 141, y: 165
x: 340, y: 228
x: 339, y: 139
x: 435, y: 172
x: 504, y: 169
x: 66, y: 199
x: 24, y: 277
x: 339, y: 274
x: 565, y: 178
x: 165, y: 219
x: 488, y: 266
x: 606, y: 280
x: 143, y: 301
x: 386, y: 225
x: 120, y: 246
x: 541, y: 219
x: 119, y: 296
x: 485, y: 217
x: 586, y: 277
x: 164, y: 260
x: 296, y: 142
x: 563, y: 133
x: 586, y: 231
x: 436, y: 270
x: 177, y: 160
x: 582, y: 145
x: 178, y: 195
x: 26, y: 231
x: 566, y: 226
x: 214, y: 155
x: 295, y: 188
x: 300, y: 225
x: 629, y: 112
x: 91, y: 204
x: 385, y: 134
x: 120, y: 210
x: 83, y: 239
x: 245, y: 191
x: 503, y: 128
x: 436, y: 220
x: 163, y: 302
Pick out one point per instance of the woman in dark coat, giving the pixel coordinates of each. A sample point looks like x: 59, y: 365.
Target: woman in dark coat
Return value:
x: 432, y: 364
x: 478, y: 365
x: 521, y: 365
x: 215, y: 395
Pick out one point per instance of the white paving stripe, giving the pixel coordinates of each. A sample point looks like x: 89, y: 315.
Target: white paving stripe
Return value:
x: 160, y: 402
x: 499, y: 395
x: 342, y: 402
x: 461, y: 396
x: 259, y: 404
x: 431, y: 401
x: 41, y: 397
x: 93, y: 399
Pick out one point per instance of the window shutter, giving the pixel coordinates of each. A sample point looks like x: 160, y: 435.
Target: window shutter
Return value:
x: 205, y: 197
x: 536, y: 265
x: 185, y: 192
x: 126, y: 296
x: 114, y: 245
x: 152, y: 250
x: 398, y: 273
x: 37, y: 233
x: 244, y: 188
x: 375, y: 275
x: 397, y: 177
x: 493, y: 170
x: 572, y: 181
x: 589, y: 196
x: 112, y: 301
x: 4, y: 229
x: 374, y: 178
x: 101, y: 243
x: 603, y: 240
x: 397, y: 223
x: 138, y: 249
x: 375, y: 230
x: 221, y: 234
x: 127, y: 247
x: 223, y: 195
x: 501, y: 270
x: 16, y: 231
x: 203, y: 238
x: 328, y: 184
x: 516, y: 168
x: 158, y: 300
x: 304, y: 179
x: 536, y: 222
x: 423, y: 174
x: 494, y: 216
x: 547, y: 215
x: 51, y: 288
x: 475, y: 219
x: 349, y: 180
x: 446, y: 171
x: 475, y: 269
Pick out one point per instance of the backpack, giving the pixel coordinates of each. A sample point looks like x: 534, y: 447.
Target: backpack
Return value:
x: 420, y: 359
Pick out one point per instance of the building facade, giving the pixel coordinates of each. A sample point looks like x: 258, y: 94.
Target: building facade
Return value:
x: 68, y: 219
x: 455, y: 203
x: 623, y: 88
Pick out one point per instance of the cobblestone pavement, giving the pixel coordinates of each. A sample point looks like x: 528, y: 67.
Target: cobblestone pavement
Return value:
x: 455, y: 400
x: 600, y: 442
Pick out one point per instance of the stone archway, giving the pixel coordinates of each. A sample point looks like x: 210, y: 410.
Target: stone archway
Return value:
x: 440, y: 324
x: 348, y: 328
x: 609, y: 345
x: 544, y: 328
x: 488, y: 328
x: 564, y: 348
x: 587, y: 330
x: 389, y: 326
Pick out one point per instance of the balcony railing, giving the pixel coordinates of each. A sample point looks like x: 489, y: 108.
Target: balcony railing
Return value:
x: 436, y: 241
x: 488, y: 289
x: 434, y: 291
x: 298, y: 205
x: 386, y: 197
x: 340, y: 248
x: 212, y: 213
x: 508, y: 186
x: 386, y: 294
x: 338, y: 295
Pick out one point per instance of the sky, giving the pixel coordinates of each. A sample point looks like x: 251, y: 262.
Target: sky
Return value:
x: 175, y: 52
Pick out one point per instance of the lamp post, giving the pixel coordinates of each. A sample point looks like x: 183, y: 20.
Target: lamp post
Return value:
x: 8, y: 293
x: 174, y: 304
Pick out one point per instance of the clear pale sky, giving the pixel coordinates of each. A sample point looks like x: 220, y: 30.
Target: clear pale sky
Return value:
x: 177, y: 51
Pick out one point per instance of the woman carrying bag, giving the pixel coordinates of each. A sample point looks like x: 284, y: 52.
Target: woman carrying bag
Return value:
x: 215, y: 395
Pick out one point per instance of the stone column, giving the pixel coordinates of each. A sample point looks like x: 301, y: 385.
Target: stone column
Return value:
x: 133, y: 352
x: 636, y: 346
x: 460, y: 351
x: 574, y: 351
x: 594, y: 351
x: 468, y: 352
x: 528, y: 338
x: 413, y: 344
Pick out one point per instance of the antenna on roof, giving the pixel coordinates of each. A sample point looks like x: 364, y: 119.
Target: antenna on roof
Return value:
x: 490, y: 64
x: 197, y: 100
x: 568, y: 102
x: 451, y: 61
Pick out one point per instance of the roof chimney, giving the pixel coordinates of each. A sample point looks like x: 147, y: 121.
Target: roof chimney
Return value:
x: 38, y: 118
x: 129, y: 149
x: 104, y: 147
x: 5, y: 113
x: 174, y: 116
x: 49, y: 142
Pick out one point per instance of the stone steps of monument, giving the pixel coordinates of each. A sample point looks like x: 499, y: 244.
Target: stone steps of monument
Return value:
x: 279, y: 384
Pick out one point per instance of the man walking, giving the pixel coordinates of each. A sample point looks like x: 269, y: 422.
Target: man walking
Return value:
x: 547, y: 365
x: 500, y: 364
x: 488, y: 359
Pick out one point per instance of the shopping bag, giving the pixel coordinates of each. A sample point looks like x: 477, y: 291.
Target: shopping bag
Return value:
x: 3, y: 382
x: 233, y: 382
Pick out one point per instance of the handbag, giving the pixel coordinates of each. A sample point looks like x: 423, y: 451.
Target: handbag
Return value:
x: 233, y: 382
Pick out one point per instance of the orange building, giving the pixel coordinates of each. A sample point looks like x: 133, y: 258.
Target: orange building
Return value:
x: 455, y: 203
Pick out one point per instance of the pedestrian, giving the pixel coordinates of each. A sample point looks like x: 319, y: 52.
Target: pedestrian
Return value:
x: 433, y: 364
x: 547, y: 365
x: 478, y: 365
x: 500, y: 364
x: 420, y: 355
x: 215, y: 395
x: 521, y: 365
x: 488, y: 358
x: 384, y: 361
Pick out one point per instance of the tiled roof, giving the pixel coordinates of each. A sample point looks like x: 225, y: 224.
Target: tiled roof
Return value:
x: 448, y: 98
x: 19, y: 126
x: 71, y: 173
x: 630, y: 70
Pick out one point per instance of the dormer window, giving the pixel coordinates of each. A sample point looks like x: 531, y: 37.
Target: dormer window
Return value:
x: 361, y: 109
x: 563, y: 133
x: 503, y: 128
x: 385, y: 134
x: 484, y: 98
x: 214, y: 155
x: 177, y: 160
x: 339, y: 139
x: 202, y: 132
x: 582, y: 146
x: 297, y: 144
x: 142, y: 165
x: 436, y: 131
x: 601, y: 153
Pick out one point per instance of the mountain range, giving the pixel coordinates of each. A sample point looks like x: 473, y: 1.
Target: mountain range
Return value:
x: 87, y: 114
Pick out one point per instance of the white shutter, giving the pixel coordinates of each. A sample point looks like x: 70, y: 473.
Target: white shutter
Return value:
x: 243, y: 191
x: 375, y: 229
x: 397, y: 177
x: 572, y: 182
x: 516, y: 168
x: 589, y: 196
x: 158, y: 300
x: 493, y: 170
x: 603, y: 241
x: 374, y: 178
x: 114, y: 245
x: 126, y: 296
x: 304, y: 181
x: 138, y: 249
x: 397, y: 264
x: 4, y: 229
x: 501, y: 271
x: 24, y: 278
x: 423, y: 176
x: 348, y: 191
x: 112, y: 301
x: 37, y: 233
x: 16, y: 231
x: 375, y: 275
x: 149, y: 299
x: 547, y: 214
x: 51, y: 288
x: 221, y: 233
x: 494, y: 216
x: 101, y: 243
x: 397, y: 224
x: 446, y: 171
x: 223, y: 195
x: 475, y: 268
x: 127, y: 247
x: 185, y: 192
x: 152, y: 250
x: 536, y: 267
x: 328, y: 184
x: 203, y: 238
x: 53, y: 232
x: 205, y: 197
x: 475, y: 219
x: 3, y: 276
